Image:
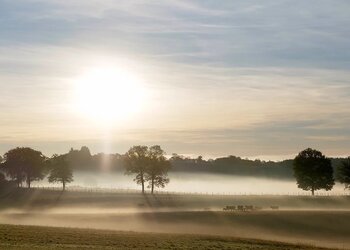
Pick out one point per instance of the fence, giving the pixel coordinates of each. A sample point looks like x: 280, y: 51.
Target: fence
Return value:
x: 136, y: 191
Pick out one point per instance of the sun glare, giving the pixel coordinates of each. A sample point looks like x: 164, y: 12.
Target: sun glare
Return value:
x: 108, y: 95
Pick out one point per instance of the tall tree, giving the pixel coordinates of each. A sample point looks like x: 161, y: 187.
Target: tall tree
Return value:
x: 24, y: 164
x: 313, y: 171
x: 343, y: 173
x: 136, y: 162
x: 2, y: 178
x: 157, y: 169
x: 60, y: 170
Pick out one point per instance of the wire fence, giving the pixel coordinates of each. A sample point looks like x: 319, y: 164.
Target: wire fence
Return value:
x: 136, y: 191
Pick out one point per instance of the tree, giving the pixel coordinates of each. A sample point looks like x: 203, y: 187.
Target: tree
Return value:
x: 80, y: 159
x: 24, y: 164
x: 136, y: 162
x: 2, y: 175
x: 60, y: 170
x: 2, y: 178
x: 3, y: 182
x: 157, y: 169
x: 313, y: 171
x: 343, y: 173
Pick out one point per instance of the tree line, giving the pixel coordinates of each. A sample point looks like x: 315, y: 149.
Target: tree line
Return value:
x: 149, y: 166
x: 23, y: 165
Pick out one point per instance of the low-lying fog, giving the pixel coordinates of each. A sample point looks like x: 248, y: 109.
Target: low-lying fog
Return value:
x: 193, y: 183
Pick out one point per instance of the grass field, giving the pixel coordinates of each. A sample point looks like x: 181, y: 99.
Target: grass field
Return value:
x: 316, y: 221
x: 33, y: 237
x: 35, y: 198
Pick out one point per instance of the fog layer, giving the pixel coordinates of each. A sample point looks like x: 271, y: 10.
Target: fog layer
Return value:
x: 194, y: 183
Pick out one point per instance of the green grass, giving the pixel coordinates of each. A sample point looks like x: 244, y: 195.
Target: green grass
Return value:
x: 34, y: 237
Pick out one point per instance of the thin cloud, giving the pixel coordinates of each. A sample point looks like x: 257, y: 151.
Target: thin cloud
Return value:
x: 234, y: 76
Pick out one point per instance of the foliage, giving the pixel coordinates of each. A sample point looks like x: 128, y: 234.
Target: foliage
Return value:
x: 2, y: 175
x: 83, y: 160
x: 24, y: 164
x: 313, y: 171
x: 80, y: 158
x: 233, y: 165
x: 60, y: 170
x: 157, y: 169
x: 343, y: 174
x: 136, y: 161
x: 2, y: 178
x: 149, y: 165
x: 112, y: 162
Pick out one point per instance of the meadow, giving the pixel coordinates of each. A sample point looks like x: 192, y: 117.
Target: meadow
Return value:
x: 320, y: 221
x: 34, y: 237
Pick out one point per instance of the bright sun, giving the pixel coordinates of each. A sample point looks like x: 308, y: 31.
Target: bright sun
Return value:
x: 107, y: 94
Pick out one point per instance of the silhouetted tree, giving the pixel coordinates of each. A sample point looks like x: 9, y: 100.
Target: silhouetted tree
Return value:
x: 60, y: 170
x: 343, y: 173
x: 1, y: 167
x: 24, y: 164
x: 3, y: 182
x: 2, y: 178
x: 113, y: 162
x: 80, y: 159
x: 233, y: 165
x: 313, y: 171
x: 136, y: 162
x: 157, y: 169
x: 199, y: 159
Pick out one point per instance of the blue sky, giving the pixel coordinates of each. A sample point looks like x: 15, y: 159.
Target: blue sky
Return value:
x: 249, y: 78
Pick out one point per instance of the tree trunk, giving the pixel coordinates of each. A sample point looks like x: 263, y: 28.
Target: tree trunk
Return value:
x: 142, y: 183
x: 152, y: 184
x: 313, y: 191
x: 28, y: 182
x: 64, y: 185
x: 18, y: 180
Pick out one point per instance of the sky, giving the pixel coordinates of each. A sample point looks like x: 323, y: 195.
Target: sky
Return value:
x: 248, y: 78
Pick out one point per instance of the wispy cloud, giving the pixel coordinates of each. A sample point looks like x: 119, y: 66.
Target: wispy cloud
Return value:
x: 244, y: 77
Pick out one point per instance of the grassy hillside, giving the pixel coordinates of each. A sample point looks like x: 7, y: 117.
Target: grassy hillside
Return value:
x: 32, y: 237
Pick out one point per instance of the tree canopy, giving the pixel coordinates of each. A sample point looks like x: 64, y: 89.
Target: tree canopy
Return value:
x: 80, y: 158
x: 149, y: 165
x: 313, y: 171
x: 158, y: 167
x: 60, y: 170
x: 136, y: 163
x: 2, y: 178
x: 24, y: 164
x: 343, y: 173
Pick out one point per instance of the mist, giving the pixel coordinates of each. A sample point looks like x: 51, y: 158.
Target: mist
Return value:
x: 202, y: 183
